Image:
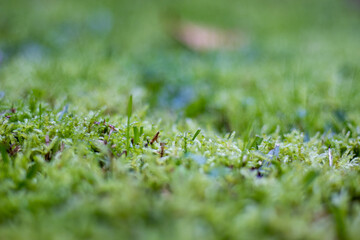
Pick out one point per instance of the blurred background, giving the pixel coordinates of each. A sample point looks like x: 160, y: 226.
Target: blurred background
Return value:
x: 231, y: 65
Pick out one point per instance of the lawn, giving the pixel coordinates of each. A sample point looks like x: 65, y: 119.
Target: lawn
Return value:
x: 114, y: 127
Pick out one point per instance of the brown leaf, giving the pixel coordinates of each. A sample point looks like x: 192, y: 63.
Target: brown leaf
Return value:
x: 205, y: 38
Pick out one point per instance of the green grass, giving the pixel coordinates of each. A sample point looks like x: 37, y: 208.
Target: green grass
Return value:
x: 111, y: 129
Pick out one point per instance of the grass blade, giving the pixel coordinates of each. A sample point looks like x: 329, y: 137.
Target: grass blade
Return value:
x: 4, y: 154
x: 196, y: 134
x: 129, y: 113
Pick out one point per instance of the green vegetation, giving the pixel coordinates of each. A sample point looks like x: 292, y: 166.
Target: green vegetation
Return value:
x: 112, y: 129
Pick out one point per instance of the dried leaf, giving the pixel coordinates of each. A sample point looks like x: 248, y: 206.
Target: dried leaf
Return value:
x: 204, y: 38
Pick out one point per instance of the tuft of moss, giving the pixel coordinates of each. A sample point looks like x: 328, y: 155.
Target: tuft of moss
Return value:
x: 101, y: 111
x: 70, y: 178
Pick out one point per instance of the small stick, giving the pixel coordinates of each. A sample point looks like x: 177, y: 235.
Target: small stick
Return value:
x: 154, y: 138
x: 162, y: 149
x: 122, y: 153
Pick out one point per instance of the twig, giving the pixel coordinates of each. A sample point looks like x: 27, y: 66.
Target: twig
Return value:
x: 155, y: 138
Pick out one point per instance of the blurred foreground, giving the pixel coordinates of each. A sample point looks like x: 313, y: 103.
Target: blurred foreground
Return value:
x: 232, y: 65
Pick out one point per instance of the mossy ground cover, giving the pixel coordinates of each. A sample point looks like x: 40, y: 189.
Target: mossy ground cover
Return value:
x: 112, y: 129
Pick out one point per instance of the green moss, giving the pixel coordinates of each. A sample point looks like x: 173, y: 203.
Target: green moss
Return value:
x: 101, y: 111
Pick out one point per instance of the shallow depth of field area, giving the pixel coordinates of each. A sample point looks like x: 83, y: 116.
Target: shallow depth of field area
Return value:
x: 179, y: 119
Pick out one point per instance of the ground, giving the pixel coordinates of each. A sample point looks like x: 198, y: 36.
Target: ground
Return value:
x: 113, y: 128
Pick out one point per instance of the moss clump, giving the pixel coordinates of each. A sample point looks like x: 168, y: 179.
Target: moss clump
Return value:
x: 70, y: 178
x: 260, y: 142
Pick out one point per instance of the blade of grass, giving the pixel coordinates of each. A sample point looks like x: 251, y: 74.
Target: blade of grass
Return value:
x: 136, y: 135
x: 129, y: 113
x: 185, y: 142
x: 141, y: 131
x: 40, y: 114
x: 196, y: 134
x: 4, y: 154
